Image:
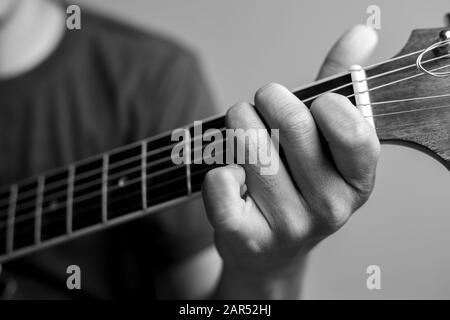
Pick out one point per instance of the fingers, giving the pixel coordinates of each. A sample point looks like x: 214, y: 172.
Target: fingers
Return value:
x: 352, y: 140
x: 274, y: 193
x: 299, y: 135
x: 327, y: 173
x: 222, y: 196
x: 229, y: 211
x: 354, y: 47
x: 307, y: 156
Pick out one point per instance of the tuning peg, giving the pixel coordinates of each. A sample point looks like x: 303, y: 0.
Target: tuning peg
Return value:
x: 444, y: 47
x: 444, y: 34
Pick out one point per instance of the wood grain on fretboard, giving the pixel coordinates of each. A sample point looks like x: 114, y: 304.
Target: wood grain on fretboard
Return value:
x: 97, y: 192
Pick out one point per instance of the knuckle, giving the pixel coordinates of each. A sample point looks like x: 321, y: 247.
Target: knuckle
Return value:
x: 334, y: 213
x: 295, y: 231
x: 294, y: 121
x: 299, y: 122
x: 293, y: 228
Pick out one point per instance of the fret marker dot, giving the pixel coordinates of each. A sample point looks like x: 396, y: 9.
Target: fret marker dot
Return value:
x: 121, y: 182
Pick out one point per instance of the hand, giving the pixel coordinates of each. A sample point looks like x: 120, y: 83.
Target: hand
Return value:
x: 331, y: 154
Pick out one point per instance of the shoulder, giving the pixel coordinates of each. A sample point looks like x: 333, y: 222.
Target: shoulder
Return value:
x: 131, y: 60
x: 132, y: 44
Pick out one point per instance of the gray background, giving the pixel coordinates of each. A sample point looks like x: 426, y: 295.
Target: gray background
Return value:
x: 405, y: 227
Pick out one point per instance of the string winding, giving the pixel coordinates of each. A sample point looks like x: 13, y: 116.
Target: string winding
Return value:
x: 430, y: 48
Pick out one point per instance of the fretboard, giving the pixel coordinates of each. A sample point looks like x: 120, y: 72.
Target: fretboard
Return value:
x: 100, y: 191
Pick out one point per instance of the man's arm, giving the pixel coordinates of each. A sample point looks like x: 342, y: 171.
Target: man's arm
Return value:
x: 265, y: 234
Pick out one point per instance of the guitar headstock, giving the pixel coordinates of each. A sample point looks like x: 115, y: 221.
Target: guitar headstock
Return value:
x: 411, y: 100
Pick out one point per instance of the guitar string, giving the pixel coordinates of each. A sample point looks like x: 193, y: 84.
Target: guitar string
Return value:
x: 138, y: 180
x: 94, y: 171
x: 377, y: 76
x: 28, y: 228
x: 379, y: 63
x: 97, y: 193
x: 131, y: 182
x: 25, y: 230
x: 88, y: 184
x: 76, y: 200
x: 398, y: 81
x: 31, y: 203
x: 370, y: 67
x: 153, y: 152
x: 403, y: 100
x: 408, y: 124
x: 63, y: 182
x: 418, y: 64
x: 408, y: 111
x: 136, y: 169
x: 167, y: 147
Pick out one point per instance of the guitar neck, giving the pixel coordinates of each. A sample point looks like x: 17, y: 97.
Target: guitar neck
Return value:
x: 98, y: 192
x: 113, y: 187
x: 141, y: 178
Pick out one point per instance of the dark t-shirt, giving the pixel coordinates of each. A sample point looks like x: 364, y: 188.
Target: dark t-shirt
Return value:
x: 104, y: 86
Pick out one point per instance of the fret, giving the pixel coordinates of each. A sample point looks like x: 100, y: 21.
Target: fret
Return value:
x: 144, y: 173
x: 69, y: 201
x: 24, y: 221
x: 187, y: 161
x: 198, y: 170
x: 125, y: 181
x: 87, y: 194
x: 165, y: 180
x: 5, y: 199
x: 11, y: 217
x: 38, y: 210
x: 105, y: 188
x: 55, y: 205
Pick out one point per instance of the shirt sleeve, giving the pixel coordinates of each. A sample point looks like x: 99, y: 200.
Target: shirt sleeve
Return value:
x: 175, y: 97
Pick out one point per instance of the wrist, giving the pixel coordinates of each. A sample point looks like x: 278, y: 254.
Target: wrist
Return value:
x: 283, y: 283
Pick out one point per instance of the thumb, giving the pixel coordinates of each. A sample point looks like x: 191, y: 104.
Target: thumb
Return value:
x: 353, y: 47
x: 222, y: 189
